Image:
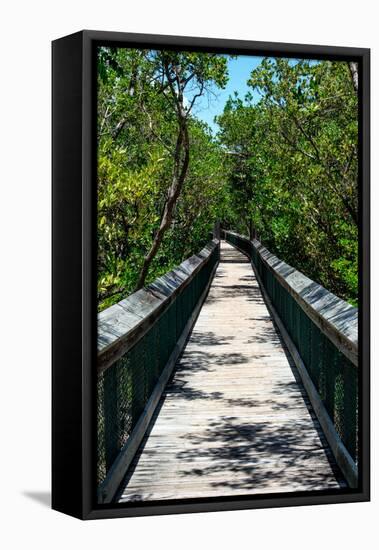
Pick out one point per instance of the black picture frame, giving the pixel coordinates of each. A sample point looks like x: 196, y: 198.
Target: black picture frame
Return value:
x: 74, y: 272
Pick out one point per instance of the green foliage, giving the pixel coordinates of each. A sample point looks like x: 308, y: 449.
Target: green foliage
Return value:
x: 292, y: 160
x: 286, y: 165
x: 137, y: 132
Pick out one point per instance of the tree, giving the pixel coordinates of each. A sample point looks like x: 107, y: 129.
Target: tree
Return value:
x: 176, y: 72
x: 284, y: 167
x: 292, y: 164
x: 146, y: 133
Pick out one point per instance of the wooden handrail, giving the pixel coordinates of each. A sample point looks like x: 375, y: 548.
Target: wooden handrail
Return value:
x: 123, y: 324
x: 337, y: 319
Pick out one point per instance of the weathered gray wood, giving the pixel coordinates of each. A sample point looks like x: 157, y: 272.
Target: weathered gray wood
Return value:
x: 341, y: 454
x: 122, y: 325
x: 235, y: 418
x: 337, y: 319
x: 109, y: 486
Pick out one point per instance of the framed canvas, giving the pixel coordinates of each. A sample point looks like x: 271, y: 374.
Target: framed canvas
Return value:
x: 210, y: 274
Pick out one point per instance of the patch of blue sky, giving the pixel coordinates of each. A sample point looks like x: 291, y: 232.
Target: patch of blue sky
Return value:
x: 211, y: 104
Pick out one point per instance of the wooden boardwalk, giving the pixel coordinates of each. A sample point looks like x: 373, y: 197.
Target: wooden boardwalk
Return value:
x: 235, y: 418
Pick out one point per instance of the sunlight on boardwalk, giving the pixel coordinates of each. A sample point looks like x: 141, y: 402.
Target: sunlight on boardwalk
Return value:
x: 234, y: 420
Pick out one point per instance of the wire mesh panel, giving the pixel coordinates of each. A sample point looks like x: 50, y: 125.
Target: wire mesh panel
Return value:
x: 334, y: 376
x: 124, y: 388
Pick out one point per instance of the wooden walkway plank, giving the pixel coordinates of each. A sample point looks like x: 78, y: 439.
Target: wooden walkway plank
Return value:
x: 235, y: 418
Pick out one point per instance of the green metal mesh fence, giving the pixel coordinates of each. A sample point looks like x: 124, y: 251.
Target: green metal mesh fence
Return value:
x: 125, y: 387
x: 334, y: 376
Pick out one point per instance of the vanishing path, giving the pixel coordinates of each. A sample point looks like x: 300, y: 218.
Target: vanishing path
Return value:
x: 235, y: 418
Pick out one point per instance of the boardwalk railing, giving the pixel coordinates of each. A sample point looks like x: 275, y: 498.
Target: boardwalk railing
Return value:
x: 321, y: 333
x: 139, y: 341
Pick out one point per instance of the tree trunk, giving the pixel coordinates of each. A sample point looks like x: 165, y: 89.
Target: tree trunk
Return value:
x: 353, y: 66
x: 216, y: 230
x: 179, y: 175
x: 251, y: 230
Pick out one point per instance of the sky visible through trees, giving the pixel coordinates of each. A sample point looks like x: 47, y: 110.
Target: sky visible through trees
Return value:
x: 268, y: 146
x: 239, y: 70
